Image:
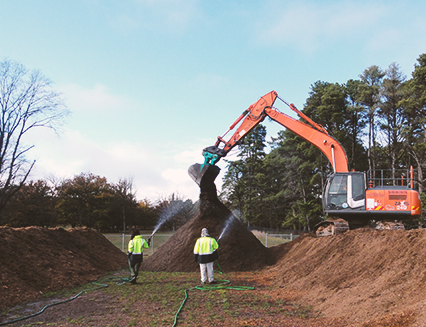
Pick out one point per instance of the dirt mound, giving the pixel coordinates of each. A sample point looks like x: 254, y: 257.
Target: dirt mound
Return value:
x: 36, y: 260
x: 361, y: 274
x: 367, y: 277
x: 239, y: 249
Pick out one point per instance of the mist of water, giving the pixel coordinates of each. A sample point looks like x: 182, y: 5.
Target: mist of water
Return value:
x: 170, y: 211
x: 227, y: 226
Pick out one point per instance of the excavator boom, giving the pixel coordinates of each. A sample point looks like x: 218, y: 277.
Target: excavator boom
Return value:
x: 326, y: 143
x: 249, y: 119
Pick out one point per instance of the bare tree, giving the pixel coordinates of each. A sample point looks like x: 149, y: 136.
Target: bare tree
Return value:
x: 27, y: 101
x: 124, y: 188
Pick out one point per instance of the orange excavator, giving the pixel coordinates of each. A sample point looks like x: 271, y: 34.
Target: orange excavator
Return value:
x: 350, y: 199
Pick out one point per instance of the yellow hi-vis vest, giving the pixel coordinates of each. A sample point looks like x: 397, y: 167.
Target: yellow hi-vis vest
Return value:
x: 137, y: 245
x: 205, y: 249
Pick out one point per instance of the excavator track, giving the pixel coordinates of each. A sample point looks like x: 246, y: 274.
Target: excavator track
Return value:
x: 389, y: 225
x: 331, y: 227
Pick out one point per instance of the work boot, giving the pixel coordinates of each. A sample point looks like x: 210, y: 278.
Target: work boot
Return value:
x: 133, y: 280
x: 213, y: 282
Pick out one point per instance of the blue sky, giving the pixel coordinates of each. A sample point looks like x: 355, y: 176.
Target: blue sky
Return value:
x: 150, y: 83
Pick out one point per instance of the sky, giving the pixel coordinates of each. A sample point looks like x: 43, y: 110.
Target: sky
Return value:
x: 150, y: 83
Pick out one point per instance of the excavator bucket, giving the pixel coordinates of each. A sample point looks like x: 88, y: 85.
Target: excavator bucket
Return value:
x: 204, y: 175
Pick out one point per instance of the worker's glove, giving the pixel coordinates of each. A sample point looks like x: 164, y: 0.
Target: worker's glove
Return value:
x: 128, y: 255
x: 196, y: 257
x: 149, y: 241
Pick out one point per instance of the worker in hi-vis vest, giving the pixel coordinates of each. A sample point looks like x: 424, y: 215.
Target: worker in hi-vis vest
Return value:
x: 135, y: 253
x: 205, y: 254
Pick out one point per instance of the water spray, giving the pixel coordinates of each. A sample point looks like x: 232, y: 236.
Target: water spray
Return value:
x: 228, y: 223
x: 170, y: 211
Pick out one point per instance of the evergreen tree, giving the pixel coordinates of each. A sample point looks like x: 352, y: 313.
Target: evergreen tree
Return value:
x: 355, y: 125
x: 241, y: 180
x: 392, y: 119
x: 414, y: 104
x: 295, y: 167
x: 369, y: 96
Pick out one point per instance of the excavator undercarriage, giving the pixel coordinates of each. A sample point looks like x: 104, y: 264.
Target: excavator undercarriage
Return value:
x: 338, y: 226
x: 395, y: 225
x: 331, y: 227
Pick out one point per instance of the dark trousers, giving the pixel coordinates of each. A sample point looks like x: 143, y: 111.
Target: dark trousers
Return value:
x: 134, y: 268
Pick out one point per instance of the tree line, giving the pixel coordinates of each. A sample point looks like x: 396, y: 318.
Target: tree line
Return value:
x: 88, y: 200
x: 380, y: 120
x: 27, y: 102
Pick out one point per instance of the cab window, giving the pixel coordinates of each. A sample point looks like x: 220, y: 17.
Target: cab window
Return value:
x: 337, y: 193
x: 358, y: 187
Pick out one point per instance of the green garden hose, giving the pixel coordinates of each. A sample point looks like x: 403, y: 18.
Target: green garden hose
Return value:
x: 211, y: 287
x: 120, y: 281
x: 221, y: 284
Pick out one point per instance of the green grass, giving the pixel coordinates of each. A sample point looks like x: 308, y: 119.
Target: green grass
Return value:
x: 157, y: 297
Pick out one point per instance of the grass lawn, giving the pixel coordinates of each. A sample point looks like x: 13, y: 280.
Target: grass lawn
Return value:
x: 158, y: 297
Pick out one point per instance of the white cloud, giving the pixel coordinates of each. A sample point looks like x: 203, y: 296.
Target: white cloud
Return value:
x: 158, y: 16
x: 309, y: 26
x: 97, y: 99
x: 175, y: 176
x: 190, y: 155
x: 155, y: 172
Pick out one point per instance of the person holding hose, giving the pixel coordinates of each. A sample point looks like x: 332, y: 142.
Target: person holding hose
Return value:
x: 135, y: 253
x: 205, y: 254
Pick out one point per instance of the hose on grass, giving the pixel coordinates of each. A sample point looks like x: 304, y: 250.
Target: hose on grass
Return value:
x: 220, y: 284
x: 119, y: 281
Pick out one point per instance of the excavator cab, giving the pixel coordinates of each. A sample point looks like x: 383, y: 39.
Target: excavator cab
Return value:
x: 382, y: 204
x: 344, y: 192
x: 344, y: 195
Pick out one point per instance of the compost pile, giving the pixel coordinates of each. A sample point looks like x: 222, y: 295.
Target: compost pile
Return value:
x: 239, y: 249
x: 368, y: 277
x: 36, y: 260
x: 361, y: 274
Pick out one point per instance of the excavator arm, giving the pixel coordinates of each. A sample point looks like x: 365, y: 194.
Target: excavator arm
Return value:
x: 327, y: 144
x: 314, y: 133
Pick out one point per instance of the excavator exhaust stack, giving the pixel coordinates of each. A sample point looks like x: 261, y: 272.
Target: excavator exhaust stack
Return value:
x: 204, y: 175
